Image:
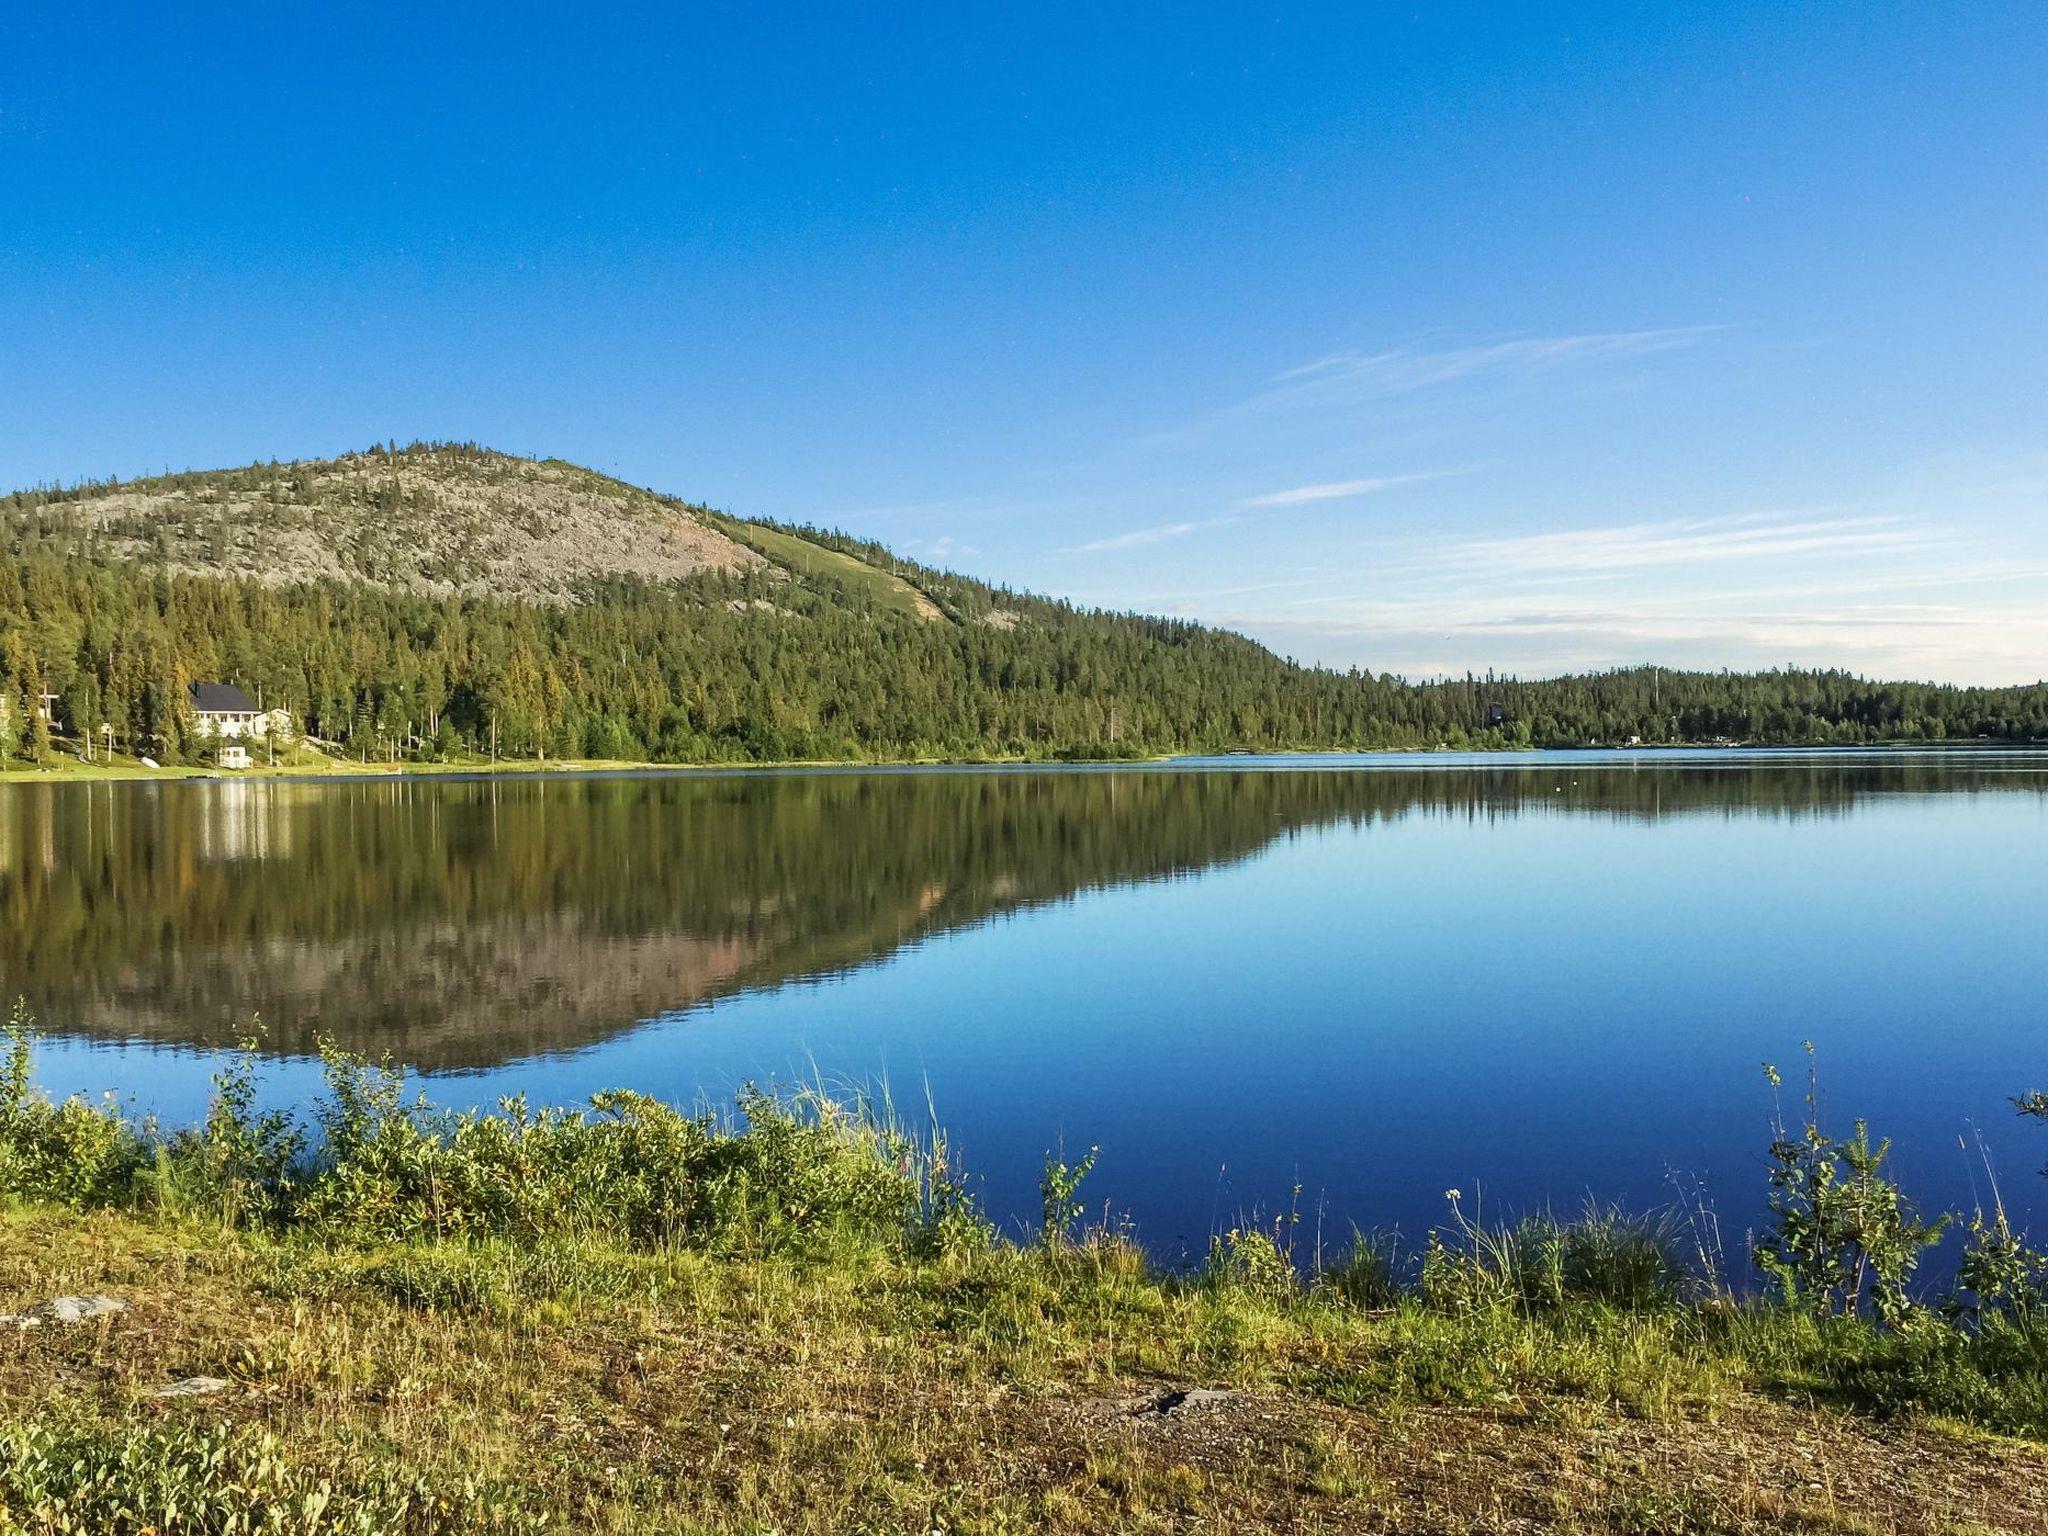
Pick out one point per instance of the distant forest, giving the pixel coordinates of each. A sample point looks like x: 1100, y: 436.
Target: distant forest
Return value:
x: 786, y: 662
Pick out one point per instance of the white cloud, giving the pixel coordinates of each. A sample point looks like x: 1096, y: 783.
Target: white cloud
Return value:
x: 1884, y: 595
x: 1138, y: 536
x: 1336, y: 490
x: 1691, y: 541
x: 1356, y: 376
x: 1299, y: 496
x: 1339, y: 386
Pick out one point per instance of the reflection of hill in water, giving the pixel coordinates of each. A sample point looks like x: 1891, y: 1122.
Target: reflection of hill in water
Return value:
x: 463, y: 924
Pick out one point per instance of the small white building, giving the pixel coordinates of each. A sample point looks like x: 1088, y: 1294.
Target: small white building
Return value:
x: 234, y: 755
x: 225, y: 711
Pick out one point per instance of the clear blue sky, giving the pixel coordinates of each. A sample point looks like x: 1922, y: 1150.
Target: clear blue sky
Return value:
x: 1425, y: 338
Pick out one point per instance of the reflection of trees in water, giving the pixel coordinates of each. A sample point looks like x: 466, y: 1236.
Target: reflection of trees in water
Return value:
x: 466, y: 923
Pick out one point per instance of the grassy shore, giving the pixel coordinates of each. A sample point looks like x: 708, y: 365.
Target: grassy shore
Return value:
x: 795, y: 1320
x: 304, y: 763
x: 301, y: 762
x: 70, y: 770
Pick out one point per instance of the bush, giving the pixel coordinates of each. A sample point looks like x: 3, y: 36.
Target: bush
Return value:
x: 1843, y: 1237
x: 1250, y: 1262
x: 241, y: 1165
x: 73, y: 1154
x: 2001, y: 1284
x: 631, y: 1167
x: 786, y: 1174
x: 73, y: 1478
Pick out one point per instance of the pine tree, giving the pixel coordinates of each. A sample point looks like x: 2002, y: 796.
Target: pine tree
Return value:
x: 39, y: 745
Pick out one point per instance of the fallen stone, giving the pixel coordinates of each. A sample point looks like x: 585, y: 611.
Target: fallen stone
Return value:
x: 76, y: 1309
x: 192, y: 1386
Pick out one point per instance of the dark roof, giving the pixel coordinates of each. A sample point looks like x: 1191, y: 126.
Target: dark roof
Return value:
x: 221, y: 699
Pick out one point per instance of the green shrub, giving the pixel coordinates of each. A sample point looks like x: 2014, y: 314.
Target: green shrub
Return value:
x: 631, y: 1167
x: 1250, y: 1262
x: 786, y: 1174
x: 63, y: 1477
x: 240, y: 1165
x: 2001, y: 1283
x: 1843, y: 1237
x: 74, y: 1154
x: 1059, y: 1189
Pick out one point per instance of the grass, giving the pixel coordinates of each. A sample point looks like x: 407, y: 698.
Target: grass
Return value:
x: 599, y: 1387
x: 65, y: 766
x: 790, y: 1318
x: 886, y: 590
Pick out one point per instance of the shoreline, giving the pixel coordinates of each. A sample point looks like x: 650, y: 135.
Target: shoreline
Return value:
x: 71, y: 770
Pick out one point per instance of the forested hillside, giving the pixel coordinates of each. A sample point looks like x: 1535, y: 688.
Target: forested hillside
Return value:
x: 425, y: 601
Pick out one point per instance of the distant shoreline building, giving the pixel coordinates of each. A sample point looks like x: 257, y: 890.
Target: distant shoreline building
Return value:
x: 225, y: 711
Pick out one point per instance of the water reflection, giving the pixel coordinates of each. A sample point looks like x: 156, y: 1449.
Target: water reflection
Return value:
x: 469, y: 923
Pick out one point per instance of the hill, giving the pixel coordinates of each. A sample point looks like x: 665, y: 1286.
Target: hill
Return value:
x: 431, y: 601
x: 436, y: 519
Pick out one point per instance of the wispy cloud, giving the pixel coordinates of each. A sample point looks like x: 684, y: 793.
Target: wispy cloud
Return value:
x: 1348, y: 376
x: 1691, y: 541
x: 1158, y: 534
x: 1303, y: 495
x: 1339, y: 386
x: 1338, y: 490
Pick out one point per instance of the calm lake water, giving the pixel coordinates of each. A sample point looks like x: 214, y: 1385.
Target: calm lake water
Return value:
x: 1533, y: 978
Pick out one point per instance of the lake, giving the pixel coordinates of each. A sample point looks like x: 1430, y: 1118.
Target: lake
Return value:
x: 1336, y: 985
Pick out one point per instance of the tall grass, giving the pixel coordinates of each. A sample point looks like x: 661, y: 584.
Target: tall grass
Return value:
x: 783, y: 1173
x: 1605, y: 1257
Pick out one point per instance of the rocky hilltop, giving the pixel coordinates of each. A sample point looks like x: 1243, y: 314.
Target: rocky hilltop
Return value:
x: 432, y: 519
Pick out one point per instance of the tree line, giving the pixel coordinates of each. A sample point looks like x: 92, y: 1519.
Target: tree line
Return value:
x: 772, y: 665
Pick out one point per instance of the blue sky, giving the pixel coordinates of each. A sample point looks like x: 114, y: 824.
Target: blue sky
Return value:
x: 1422, y: 338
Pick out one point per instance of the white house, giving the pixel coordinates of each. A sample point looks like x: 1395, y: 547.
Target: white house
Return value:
x: 225, y: 711
x: 236, y: 756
